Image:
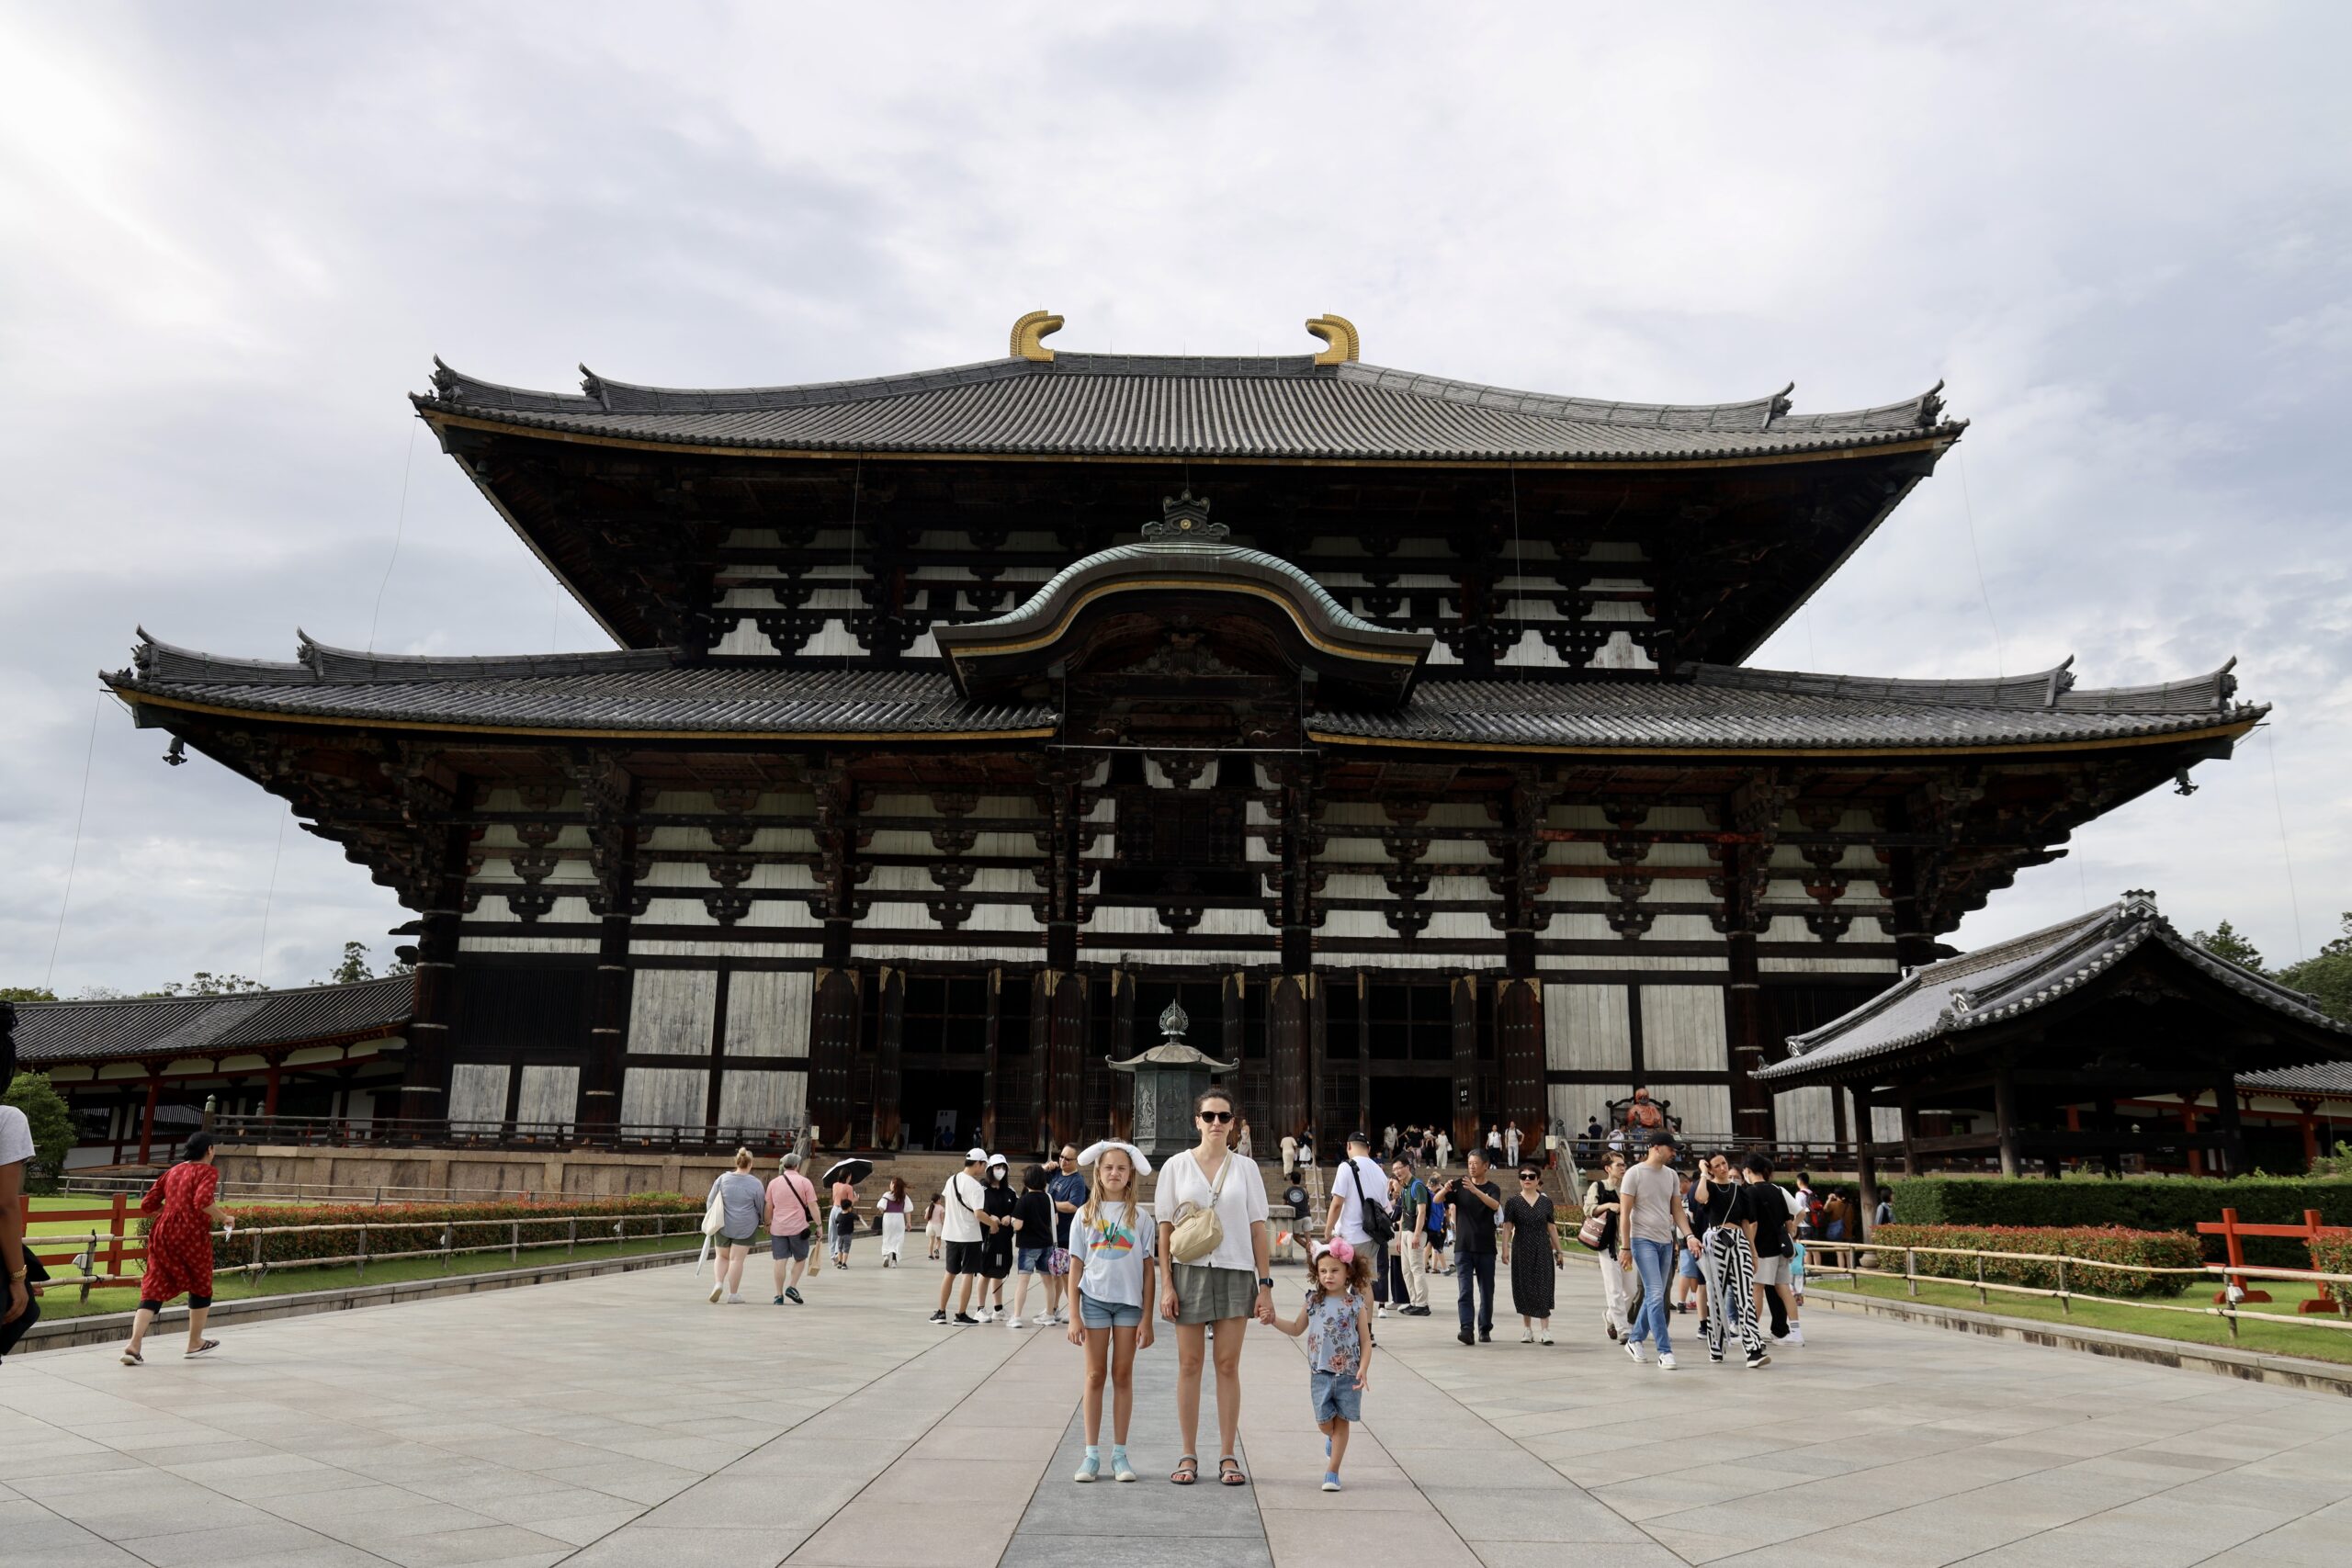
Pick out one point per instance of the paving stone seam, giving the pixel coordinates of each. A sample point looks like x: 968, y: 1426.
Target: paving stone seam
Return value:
x: 890, y: 1370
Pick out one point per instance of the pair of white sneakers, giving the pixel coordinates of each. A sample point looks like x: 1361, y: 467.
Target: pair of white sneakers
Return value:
x: 1664, y: 1361
x: 718, y: 1293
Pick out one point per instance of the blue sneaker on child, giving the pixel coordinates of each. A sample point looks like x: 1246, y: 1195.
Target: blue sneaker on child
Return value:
x: 1090, y: 1467
x: 1330, y: 1481
x: 1120, y: 1469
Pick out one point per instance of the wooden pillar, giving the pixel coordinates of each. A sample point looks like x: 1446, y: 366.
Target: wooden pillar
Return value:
x: 2308, y: 1119
x: 1057, y: 1032
x: 2004, y: 1116
x: 1518, y: 1043
x: 269, y: 1096
x: 2110, y: 1158
x: 1469, y: 1131
x: 1910, y: 1133
x: 887, y: 1057
x: 147, y: 1121
x: 1291, y: 1003
x: 2188, y: 1126
x: 1865, y: 1165
x: 2225, y: 1100
x: 440, y: 902
x: 1752, y: 1103
x: 990, y: 1056
x: 835, y: 1011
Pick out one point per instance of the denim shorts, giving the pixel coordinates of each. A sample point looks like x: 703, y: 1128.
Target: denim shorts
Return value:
x: 1336, y: 1395
x: 1029, y: 1257
x: 1093, y: 1314
x: 1688, y: 1268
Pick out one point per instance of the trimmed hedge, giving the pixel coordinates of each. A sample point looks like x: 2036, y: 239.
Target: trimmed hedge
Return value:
x: 2148, y: 1203
x: 418, y: 1228
x: 2157, y: 1249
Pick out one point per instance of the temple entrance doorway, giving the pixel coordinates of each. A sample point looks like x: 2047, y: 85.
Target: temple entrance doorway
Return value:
x: 941, y: 1108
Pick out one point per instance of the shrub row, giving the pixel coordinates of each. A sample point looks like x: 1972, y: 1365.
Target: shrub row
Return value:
x: 2105, y: 1244
x: 2334, y: 1257
x: 419, y: 1227
x: 2149, y: 1203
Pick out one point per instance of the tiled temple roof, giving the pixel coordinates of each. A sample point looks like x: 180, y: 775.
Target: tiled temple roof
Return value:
x: 1999, y: 982
x: 1109, y: 405
x: 1708, y: 707
x: 183, y: 1026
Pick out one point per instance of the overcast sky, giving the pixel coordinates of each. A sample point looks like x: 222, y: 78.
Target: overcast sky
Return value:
x: 231, y: 237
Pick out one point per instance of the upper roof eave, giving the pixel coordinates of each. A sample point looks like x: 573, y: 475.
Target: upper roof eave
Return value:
x: 1478, y: 425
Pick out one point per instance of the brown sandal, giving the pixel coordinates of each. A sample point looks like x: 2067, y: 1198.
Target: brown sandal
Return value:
x: 1230, y: 1476
x: 1187, y: 1471
x: 208, y: 1345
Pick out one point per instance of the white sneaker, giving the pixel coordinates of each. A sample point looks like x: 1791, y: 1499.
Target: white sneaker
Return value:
x: 1795, y: 1335
x: 1527, y: 1336
x: 1381, y: 1311
x: 1543, y: 1336
x: 1666, y: 1363
x: 735, y: 1299
x: 1634, y: 1349
x: 718, y: 1293
x: 1012, y: 1323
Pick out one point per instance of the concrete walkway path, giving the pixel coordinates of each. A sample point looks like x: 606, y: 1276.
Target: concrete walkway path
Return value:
x: 624, y: 1420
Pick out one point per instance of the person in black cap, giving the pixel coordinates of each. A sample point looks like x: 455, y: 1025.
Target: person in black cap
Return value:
x: 1649, y: 1220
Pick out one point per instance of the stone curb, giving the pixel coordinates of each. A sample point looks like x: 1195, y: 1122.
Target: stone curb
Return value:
x: 99, y: 1328
x: 2287, y: 1371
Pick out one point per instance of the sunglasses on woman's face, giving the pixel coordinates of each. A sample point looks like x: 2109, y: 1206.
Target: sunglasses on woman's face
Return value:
x: 1529, y: 1176
x: 1216, y: 1115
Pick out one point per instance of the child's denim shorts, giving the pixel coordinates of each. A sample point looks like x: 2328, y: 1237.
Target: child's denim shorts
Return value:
x: 1093, y: 1314
x: 1337, y: 1395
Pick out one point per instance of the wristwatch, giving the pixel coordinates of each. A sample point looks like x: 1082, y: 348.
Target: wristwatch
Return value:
x: 1265, y: 1281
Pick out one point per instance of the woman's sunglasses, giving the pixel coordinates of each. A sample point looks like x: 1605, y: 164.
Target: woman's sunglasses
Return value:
x: 1529, y: 1176
x: 1216, y: 1115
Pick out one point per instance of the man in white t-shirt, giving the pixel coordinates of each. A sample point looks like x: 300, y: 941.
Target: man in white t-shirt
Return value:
x: 1355, y: 1181
x: 15, y: 1165
x: 959, y: 1236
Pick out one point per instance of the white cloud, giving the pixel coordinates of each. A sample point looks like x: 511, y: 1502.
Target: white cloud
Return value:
x: 230, y: 240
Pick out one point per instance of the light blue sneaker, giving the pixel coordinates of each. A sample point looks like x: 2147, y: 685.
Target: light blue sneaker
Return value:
x: 1331, y: 1481
x: 1089, y: 1467
x: 1120, y: 1469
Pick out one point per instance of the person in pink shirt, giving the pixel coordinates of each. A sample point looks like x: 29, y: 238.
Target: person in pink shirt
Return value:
x: 792, y: 1213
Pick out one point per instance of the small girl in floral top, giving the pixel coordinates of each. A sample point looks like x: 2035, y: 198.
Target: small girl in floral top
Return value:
x: 1338, y: 1326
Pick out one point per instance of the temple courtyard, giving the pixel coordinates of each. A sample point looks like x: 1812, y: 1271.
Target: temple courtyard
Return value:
x: 624, y: 1420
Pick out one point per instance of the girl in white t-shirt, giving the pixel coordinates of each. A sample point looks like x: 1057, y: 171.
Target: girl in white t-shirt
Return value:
x: 1112, y: 1262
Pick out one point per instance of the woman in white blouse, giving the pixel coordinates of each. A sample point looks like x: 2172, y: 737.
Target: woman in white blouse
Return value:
x: 1227, y: 1287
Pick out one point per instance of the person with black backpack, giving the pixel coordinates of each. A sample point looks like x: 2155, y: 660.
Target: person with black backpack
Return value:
x: 1360, y: 1213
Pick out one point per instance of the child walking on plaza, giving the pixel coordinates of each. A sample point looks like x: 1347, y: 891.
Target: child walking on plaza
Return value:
x: 931, y: 1221
x: 1337, y: 1321
x: 1112, y: 1241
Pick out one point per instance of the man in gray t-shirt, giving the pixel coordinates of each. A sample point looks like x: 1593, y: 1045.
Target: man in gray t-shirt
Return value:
x: 1652, y: 1214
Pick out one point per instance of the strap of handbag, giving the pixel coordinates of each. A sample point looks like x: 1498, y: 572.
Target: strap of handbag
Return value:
x: 1378, y: 1223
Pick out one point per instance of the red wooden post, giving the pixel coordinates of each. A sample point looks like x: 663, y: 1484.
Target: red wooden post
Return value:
x: 2323, y: 1296
x: 147, y: 1122
x: 2232, y: 1237
x: 114, y: 1223
x: 2188, y: 1126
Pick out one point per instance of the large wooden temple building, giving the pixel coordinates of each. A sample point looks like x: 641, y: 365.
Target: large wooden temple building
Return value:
x: 960, y: 721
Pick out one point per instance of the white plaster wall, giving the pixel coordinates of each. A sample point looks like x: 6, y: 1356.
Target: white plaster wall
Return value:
x: 671, y: 1011
x: 1588, y: 1028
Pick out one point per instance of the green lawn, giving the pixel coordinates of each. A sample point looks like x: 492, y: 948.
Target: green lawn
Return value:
x: 2270, y: 1338
x: 64, y: 1298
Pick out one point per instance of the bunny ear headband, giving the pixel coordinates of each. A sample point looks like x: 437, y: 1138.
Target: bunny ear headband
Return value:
x: 1096, y: 1151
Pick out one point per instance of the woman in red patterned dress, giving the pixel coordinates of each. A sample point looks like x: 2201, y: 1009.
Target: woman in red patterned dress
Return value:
x: 179, y: 1246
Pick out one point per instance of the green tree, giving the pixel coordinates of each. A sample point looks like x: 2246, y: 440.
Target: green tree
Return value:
x: 27, y: 993
x: 2223, y: 943
x: 354, y: 967
x: 52, y: 1124
x: 205, y: 982
x: 2327, y: 975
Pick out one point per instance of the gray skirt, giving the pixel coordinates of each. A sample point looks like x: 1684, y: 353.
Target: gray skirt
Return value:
x: 1206, y: 1293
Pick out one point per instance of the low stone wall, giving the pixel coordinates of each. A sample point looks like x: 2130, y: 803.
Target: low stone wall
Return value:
x: 577, y: 1173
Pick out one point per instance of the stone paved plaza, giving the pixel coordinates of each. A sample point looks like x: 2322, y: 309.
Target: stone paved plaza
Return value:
x: 623, y: 1420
